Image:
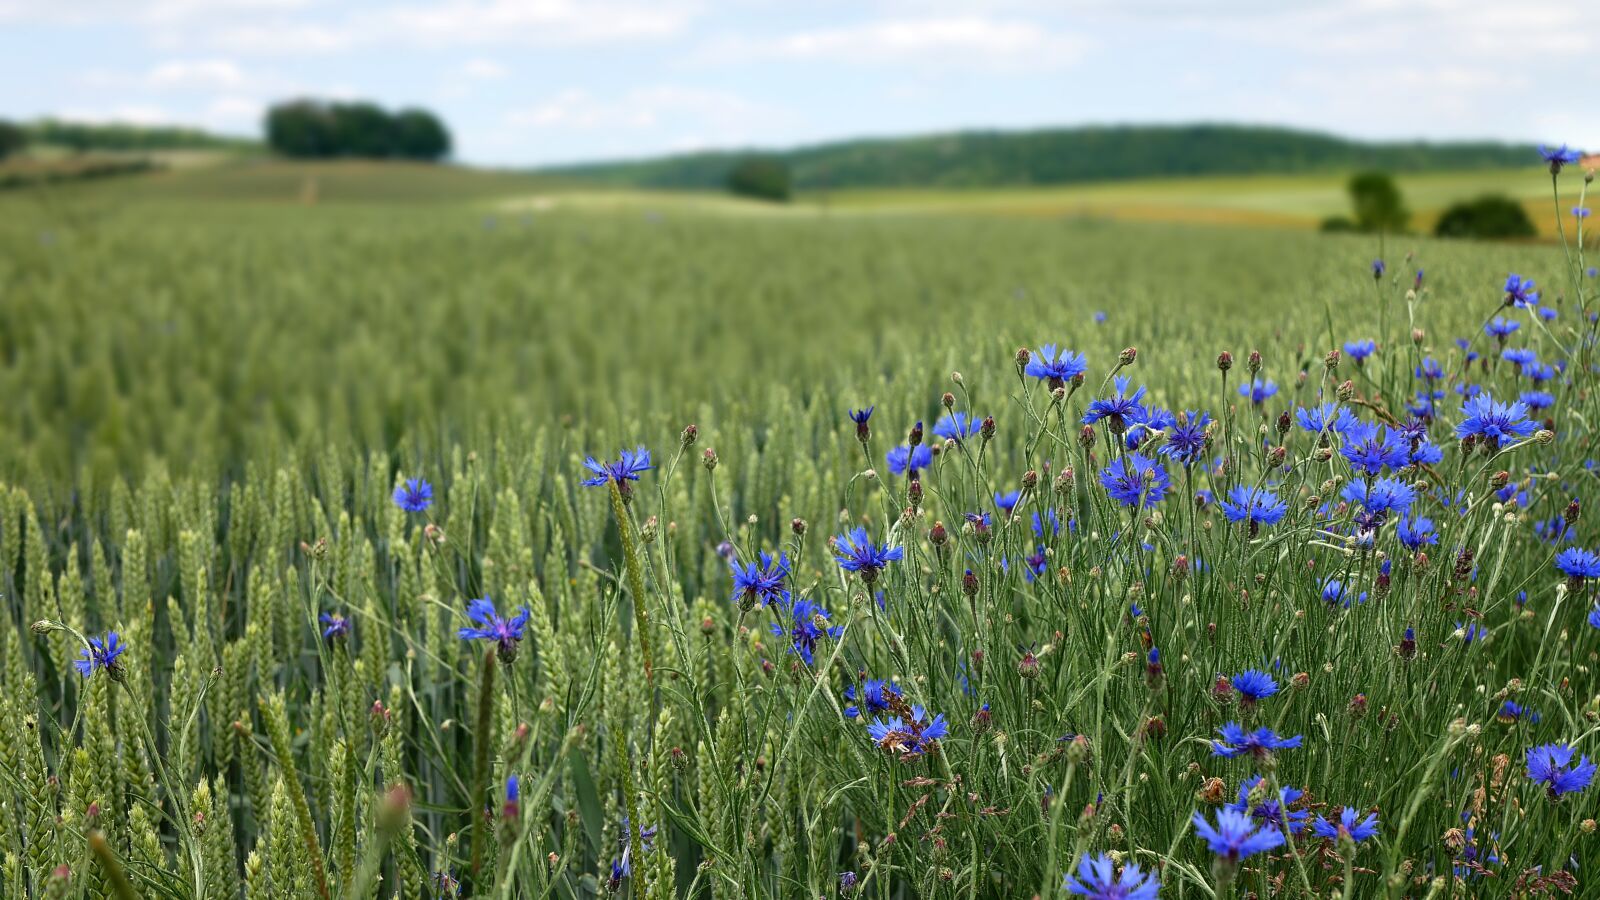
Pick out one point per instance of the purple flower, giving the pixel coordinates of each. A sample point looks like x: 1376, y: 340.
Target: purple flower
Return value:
x: 102, y: 654
x: 807, y: 623
x: 1551, y: 765
x: 1261, y: 742
x: 627, y: 468
x: 506, y: 633
x: 415, y: 495
x: 1256, y: 801
x: 1097, y: 879
x: 337, y: 626
x: 1347, y: 824
x: 1235, y: 836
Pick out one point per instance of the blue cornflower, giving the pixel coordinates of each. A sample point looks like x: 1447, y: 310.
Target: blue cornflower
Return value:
x: 1049, y: 522
x: 759, y: 582
x: 1577, y: 563
x: 1325, y: 417
x: 860, y: 417
x: 1258, y: 390
x: 808, y: 623
x: 1580, y: 212
x: 1255, y: 506
x: 1347, y: 824
x: 626, y: 468
x: 1254, y: 684
x: 337, y: 626
x: 504, y: 632
x: 1501, y: 327
x: 1519, y: 292
x: 1372, y: 448
x: 1006, y: 501
x: 1235, y: 835
x: 1513, y: 493
x: 1430, y: 369
x: 415, y: 495
x: 1274, y: 812
x: 1187, y: 442
x: 1512, y: 712
x: 1097, y: 879
x: 1539, y: 373
x: 1360, y: 350
x: 1537, y: 400
x: 1489, y: 422
x: 102, y: 654
x: 1519, y: 356
x: 1136, y: 480
x: 1415, y: 532
x: 1382, y: 497
x: 1099, y: 316
x: 856, y: 553
x: 1551, y: 765
x: 1469, y: 632
x: 1426, y: 453
x: 876, y: 696
x: 909, y: 738
x: 1118, y: 409
x: 905, y: 460
x: 1154, y: 419
x: 957, y: 425
x: 1378, y: 268
x: 1057, y: 370
x: 1237, y: 742
x: 1338, y: 593
x: 1558, y: 157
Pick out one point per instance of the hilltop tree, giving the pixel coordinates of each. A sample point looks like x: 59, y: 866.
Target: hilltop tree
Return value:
x: 1377, y: 203
x: 1489, y: 216
x: 12, y: 138
x: 761, y: 178
x: 312, y: 129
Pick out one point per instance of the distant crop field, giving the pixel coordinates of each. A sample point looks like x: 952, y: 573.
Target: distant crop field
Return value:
x: 375, y: 531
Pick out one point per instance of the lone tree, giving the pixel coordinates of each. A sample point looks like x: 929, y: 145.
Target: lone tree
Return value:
x: 1489, y: 216
x: 317, y: 130
x: 12, y: 138
x: 761, y: 178
x: 1377, y: 203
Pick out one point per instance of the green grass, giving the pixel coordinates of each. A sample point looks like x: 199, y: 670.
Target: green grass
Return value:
x: 212, y: 391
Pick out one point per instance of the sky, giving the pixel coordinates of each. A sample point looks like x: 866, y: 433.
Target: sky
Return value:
x: 537, y: 82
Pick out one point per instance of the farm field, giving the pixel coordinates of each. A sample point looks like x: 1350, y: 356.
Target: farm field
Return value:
x: 465, y: 534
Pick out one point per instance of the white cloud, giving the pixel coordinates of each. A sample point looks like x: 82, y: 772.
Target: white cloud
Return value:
x: 944, y: 43
x: 131, y: 114
x: 484, y: 69
x: 195, y: 74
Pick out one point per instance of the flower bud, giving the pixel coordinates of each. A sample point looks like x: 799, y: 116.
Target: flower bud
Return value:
x: 1128, y: 355
x: 1253, y: 362
x: 915, y: 437
x: 1086, y: 437
x: 1224, y: 361
x: 986, y: 429
x: 709, y: 460
x: 1023, y: 357
x: 949, y: 400
x: 937, y: 535
x: 691, y: 433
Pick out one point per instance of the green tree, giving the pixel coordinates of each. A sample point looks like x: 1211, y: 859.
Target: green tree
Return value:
x: 302, y: 128
x: 1489, y: 216
x: 420, y: 135
x: 1377, y: 203
x: 761, y: 178
x: 12, y: 138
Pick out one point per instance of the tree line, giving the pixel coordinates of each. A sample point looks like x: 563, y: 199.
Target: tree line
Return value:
x: 316, y: 129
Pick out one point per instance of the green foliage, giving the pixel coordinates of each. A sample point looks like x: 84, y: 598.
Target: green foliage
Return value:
x: 86, y: 136
x: 12, y: 138
x: 1061, y: 156
x: 1488, y: 217
x: 313, y: 129
x: 1376, y: 203
x: 761, y: 178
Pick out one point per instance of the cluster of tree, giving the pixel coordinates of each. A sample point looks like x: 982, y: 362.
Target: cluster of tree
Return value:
x: 1489, y: 216
x: 12, y: 138
x: 1063, y: 155
x: 313, y: 129
x: 1376, y: 206
x: 760, y: 178
x: 84, y: 136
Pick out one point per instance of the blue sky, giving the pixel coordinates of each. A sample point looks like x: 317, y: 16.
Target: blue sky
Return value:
x: 543, y: 81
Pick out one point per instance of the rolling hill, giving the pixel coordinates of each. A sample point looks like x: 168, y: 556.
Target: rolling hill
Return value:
x: 974, y: 159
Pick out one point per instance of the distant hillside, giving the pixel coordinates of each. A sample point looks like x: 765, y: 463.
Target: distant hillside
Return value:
x: 82, y: 136
x: 1060, y: 156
